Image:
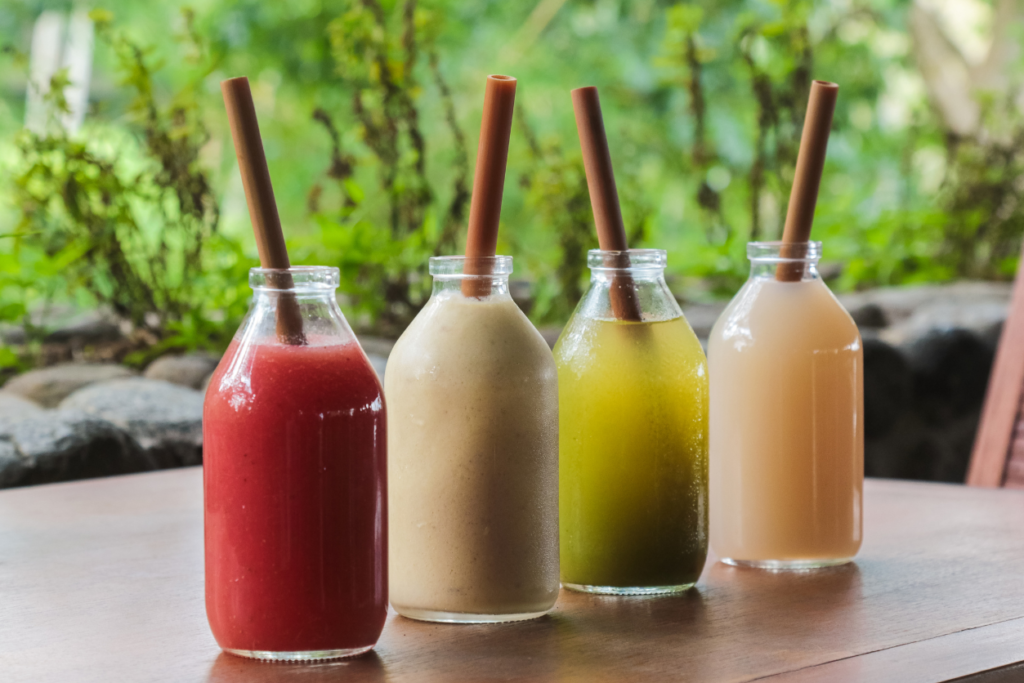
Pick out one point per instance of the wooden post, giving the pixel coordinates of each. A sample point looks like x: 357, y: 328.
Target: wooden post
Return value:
x: 1002, y: 409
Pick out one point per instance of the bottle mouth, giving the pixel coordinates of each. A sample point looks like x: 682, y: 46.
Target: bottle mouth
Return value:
x: 462, y: 267
x: 784, y: 252
x: 302, y: 278
x: 632, y: 260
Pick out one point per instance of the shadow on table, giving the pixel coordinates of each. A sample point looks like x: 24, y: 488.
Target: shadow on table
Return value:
x: 231, y: 669
x: 737, y: 623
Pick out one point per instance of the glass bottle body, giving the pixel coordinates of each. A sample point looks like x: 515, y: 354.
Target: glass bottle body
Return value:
x: 787, y: 430
x: 473, y: 465
x: 633, y: 407
x: 295, y: 482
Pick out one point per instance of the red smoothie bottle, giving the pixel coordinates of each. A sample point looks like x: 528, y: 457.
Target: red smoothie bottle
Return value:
x: 295, y: 492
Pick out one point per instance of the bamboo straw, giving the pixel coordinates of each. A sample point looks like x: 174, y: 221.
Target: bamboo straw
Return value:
x: 488, y: 182
x: 259, y: 195
x: 809, y: 165
x: 604, y: 198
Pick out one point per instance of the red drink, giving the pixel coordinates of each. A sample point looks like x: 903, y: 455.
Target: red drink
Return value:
x: 295, y: 490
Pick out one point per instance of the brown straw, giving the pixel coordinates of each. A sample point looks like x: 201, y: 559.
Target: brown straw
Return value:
x: 604, y: 198
x: 488, y: 182
x: 809, y: 164
x: 259, y: 195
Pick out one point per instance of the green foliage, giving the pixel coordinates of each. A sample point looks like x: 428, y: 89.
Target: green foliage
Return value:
x: 366, y: 108
x: 124, y: 222
x: 383, y: 253
x: 124, y: 215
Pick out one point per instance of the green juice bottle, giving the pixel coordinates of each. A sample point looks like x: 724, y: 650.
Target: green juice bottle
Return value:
x: 633, y: 436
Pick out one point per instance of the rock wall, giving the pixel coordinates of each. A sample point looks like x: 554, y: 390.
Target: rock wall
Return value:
x: 927, y: 356
x: 928, y: 351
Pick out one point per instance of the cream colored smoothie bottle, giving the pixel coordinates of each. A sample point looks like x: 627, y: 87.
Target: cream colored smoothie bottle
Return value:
x: 786, y: 426
x: 472, y: 400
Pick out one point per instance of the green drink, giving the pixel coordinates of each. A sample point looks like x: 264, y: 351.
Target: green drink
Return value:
x: 633, y: 444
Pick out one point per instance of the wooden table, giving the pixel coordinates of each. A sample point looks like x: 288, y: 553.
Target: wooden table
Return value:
x: 102, y: 580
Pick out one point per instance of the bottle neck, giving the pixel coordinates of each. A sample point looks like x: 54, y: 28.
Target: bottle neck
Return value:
x: 494, y: 285
x: 627, y: 286
x: 476, y: 277
x: 769, y: 268
x: 298, y: 302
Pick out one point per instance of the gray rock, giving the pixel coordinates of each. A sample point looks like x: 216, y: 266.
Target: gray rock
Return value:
x: 165, y: 419
x: 64, y: 445
x: 49, y: 386
x: 521, y: 292
x: 67, y: 324
x: 900, y: 303
x: 378, y: 363
x: 378, y: 346
x: 87, y: 327
x: 979, y: 317
x: 550, y: 334
x: 377, y: 350
x: 702, y: 317
x: 188, y: 371
x: 14, y: 406
x: 950, y: 370
x: 917, y: 450
x: 12, y: 335
x: 888, y: 387
x: 870, y: 316
x: 12, y: 465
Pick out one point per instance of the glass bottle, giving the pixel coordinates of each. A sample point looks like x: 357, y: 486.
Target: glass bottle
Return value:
x: 473, y: 465
x: 295, y: 480
x: 787, y: 428
x: 633, y: 434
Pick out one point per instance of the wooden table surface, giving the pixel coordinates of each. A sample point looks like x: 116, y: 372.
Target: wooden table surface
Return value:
x: 102, y: 580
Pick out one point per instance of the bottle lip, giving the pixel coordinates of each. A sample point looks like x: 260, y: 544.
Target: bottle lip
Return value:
x: 455, y: 267
x: 784, y: 252
x: 631, y: 260
x: 303, y: 278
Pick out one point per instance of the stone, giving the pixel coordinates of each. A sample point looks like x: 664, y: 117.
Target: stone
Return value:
x: 550, y: 334
x: 869, y: 316
x: 702, y: 317
x: 165, y: 419
x: 888, y: 387
x: 12, y: 465
x: 521, y: 292
x: 49, y: 386
x: 378, y: 363
x: 979, y: 317
x: 187, y: 370
x: 378, y: 346
x: 67, y: 324
x: 377, y: 350
x: 12, y: 335
x: 86, y: 327
x: 13, y: 406
x: 914, y: 449
x: 950, y: 371
x: 900, y: 303
x: 65, y: 445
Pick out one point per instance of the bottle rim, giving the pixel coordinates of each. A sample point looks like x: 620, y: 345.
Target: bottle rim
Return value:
x: 784, y: 252
x: 454, y: 267
x: 631, y: 260
x: 303, y: 278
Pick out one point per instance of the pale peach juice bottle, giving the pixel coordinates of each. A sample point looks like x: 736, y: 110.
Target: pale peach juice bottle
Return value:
x: 786, y: 369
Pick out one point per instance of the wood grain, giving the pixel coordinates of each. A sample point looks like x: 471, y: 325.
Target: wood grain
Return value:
x: 101, y: 580
x: 1002, y: 412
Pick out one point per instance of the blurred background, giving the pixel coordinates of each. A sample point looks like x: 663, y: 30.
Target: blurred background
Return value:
x: 123, y: 215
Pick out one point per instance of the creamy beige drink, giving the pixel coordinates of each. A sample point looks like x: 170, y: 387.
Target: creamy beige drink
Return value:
x: 473, y: 459
x: 786, y: 425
